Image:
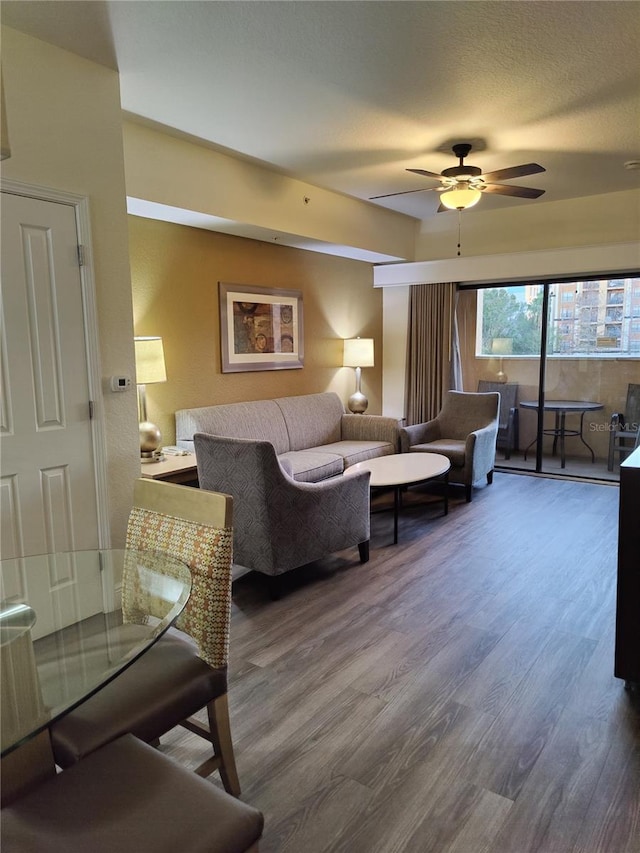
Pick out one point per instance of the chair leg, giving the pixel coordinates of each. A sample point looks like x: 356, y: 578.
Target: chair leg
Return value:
x: 274, y: 584
x: 220, y: 728
x: 468, y: 492
x: 610, y: 455
x: 363, y: 548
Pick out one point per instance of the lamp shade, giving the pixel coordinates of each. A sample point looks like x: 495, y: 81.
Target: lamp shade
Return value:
x: 149, y: 361
x: 502, y: 346
x: 460, y: 199
x: 358, y: 352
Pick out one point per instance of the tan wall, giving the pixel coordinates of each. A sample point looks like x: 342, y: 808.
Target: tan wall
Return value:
x: 64, y: 121
x: 175, y: 273
x: 601, y: 380
x: 181, y: 174
x: 593, y: 220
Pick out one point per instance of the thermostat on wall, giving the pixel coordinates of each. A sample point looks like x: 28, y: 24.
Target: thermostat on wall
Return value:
x: 120, y: 383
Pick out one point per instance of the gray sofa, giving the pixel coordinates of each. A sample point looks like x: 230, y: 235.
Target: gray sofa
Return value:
x: 313, y: 437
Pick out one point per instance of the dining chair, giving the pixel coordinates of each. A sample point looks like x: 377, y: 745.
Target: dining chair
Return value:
x: 186, y: 669
x: 128, y: 797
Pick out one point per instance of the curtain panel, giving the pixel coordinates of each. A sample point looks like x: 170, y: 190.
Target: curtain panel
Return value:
x: 433, y: 356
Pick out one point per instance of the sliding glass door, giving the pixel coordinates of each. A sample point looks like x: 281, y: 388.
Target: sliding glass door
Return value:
x: 574, y: 410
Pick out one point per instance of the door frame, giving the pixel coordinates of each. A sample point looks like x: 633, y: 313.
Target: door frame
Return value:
x: 80, y: 205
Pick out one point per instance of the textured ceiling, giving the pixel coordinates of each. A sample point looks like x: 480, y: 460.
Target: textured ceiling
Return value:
x: 348, y: 95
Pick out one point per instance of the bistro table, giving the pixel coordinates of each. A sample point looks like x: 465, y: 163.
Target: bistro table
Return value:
x: 65, y: 637
x: 562, y: 408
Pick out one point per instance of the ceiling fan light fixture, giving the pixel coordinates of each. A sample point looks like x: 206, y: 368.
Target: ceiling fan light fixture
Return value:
x: 460, y: 198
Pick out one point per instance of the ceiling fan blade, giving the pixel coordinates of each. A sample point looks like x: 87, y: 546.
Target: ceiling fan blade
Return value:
x: 425, y: 173
x: 513, y: 172
x: 518, y: 192
x: 404, y: 192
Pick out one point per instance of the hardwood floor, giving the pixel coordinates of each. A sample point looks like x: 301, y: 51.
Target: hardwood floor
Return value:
x: 453, y: 695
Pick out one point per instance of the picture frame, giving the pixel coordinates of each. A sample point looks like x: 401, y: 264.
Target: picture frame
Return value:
x: 261, y: 328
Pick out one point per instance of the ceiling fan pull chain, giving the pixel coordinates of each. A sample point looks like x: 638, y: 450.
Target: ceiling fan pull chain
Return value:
x: 459, y: 229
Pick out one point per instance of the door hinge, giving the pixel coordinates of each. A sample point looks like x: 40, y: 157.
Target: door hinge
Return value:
x: 81, y: 259
x: 91, y: 409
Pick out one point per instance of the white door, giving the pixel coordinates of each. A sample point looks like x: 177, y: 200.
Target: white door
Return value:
x: 47, y: 485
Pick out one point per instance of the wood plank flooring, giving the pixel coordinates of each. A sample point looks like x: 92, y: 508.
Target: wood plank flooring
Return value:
x: 453, y: 695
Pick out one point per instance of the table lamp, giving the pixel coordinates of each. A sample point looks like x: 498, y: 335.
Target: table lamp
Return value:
x: 358, y: 353
x: 502, y: 347
x: 149, y: 369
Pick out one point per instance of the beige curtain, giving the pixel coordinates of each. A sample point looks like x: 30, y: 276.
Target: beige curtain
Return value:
x: 433, y: 356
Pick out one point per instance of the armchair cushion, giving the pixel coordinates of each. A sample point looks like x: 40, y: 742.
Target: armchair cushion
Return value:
x: 451, y: 448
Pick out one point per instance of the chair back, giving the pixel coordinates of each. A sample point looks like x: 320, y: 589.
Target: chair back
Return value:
x: 632, y: 408
x: 463, y: 412
x: 508, y: 392
x: 195, y: 526
x: 250, y: 472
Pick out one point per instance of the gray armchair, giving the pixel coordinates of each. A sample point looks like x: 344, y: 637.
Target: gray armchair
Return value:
x: 280, y: 523
x: 465, y: 431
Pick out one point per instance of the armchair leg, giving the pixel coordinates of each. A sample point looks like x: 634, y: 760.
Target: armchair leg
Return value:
x: 275, y: 587
x: 468, y: 493
x: 363, y: 548
x: 490, y: 478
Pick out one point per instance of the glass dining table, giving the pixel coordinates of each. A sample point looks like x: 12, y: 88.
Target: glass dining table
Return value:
x: 71, y: 622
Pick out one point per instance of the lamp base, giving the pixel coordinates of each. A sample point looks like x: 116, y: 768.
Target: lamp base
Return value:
x: 156, y: 456
x: 357, y: 403
x: 150, y: 441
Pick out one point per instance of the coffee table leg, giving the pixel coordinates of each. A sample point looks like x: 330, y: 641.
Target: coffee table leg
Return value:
x: 396, y: 502
x: 446, y: 493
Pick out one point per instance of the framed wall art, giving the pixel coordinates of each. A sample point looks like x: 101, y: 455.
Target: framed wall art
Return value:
x: 260, y: 328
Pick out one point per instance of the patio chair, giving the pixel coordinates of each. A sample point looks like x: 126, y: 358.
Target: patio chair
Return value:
x: 508, y: 423
x: 625, y: 427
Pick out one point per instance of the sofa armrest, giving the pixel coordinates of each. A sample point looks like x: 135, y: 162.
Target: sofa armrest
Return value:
x: 418, y: 434
x: 370, y: 428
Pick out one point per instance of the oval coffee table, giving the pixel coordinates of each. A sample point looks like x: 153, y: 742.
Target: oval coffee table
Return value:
x: 404, y: 469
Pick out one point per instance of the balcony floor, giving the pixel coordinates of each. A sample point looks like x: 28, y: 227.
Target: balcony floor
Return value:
x: 576, y: 466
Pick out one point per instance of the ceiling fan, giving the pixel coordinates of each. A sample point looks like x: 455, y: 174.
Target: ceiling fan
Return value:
x: 462, y: 186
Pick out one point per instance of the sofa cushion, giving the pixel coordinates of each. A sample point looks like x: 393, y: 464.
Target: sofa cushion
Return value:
x: 312, y: 466
x: 311, y: 419
x: 261, y: 420
x: 357, y: 451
